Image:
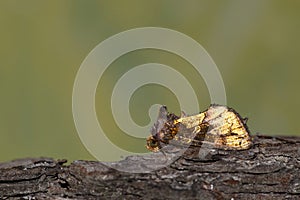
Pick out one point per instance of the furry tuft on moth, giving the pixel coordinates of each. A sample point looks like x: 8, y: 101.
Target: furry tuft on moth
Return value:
x: 219, y: 126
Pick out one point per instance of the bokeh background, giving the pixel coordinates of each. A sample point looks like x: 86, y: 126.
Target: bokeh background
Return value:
x: 255, y: 45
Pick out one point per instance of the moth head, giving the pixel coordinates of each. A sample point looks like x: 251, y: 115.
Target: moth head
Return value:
x: 153, y: 144
x: 153, y: 141
x: 163, y: 130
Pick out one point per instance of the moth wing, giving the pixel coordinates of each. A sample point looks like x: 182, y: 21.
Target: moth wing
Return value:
x: 227, y: 129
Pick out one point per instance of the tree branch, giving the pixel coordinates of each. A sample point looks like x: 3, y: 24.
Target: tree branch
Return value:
x: 268, y: 170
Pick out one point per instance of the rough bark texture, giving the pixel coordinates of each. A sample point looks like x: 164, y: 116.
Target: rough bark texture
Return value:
x: 269, y: 170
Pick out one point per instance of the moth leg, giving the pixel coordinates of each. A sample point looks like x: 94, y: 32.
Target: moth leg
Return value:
x: 197, y: 129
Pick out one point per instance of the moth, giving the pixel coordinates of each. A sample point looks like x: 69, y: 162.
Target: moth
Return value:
x: 219, y: 126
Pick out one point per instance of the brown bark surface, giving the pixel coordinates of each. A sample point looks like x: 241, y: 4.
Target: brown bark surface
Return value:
x: 269, y: 170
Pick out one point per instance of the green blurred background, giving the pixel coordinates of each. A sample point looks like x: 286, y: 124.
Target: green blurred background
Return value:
x: 255, y: 45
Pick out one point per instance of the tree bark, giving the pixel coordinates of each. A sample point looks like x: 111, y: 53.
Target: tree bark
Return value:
x: 268, y: 170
